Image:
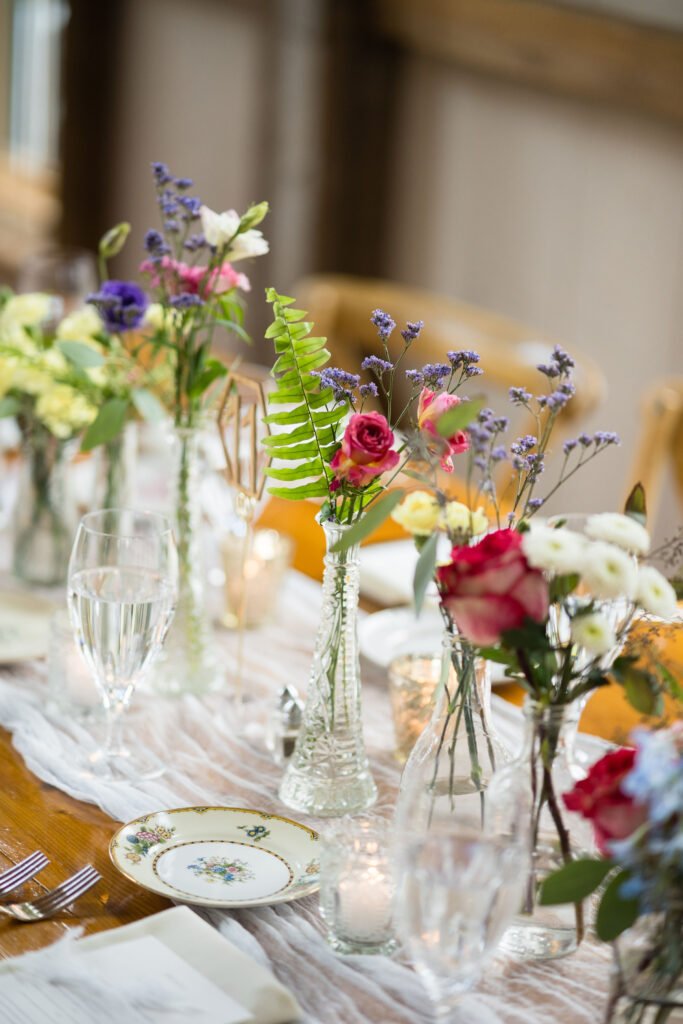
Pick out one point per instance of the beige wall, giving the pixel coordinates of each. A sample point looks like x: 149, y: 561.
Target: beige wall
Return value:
x: 564, y: 215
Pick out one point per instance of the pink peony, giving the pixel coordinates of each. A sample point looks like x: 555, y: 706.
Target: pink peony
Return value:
x: 366, y: 450
x: 430, y: 409
x: 489, y: 587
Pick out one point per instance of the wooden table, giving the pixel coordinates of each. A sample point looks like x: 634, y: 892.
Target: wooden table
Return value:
x: 34, y: 815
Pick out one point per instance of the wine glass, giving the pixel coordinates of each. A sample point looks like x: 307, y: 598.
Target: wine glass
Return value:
x: 456, y: 894
x: 122, y: 591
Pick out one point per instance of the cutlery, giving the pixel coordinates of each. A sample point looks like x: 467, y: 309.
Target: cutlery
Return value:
x: 55, y: 900
x: 21, y: 872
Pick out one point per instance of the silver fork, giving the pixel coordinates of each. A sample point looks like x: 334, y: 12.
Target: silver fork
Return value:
x: 54, y: 901
x: 21, y: 872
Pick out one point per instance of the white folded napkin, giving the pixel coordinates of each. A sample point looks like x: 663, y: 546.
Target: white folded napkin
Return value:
x: 386, y: 571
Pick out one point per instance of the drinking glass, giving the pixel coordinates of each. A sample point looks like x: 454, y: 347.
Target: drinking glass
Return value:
x: 456, y: 894
x: 122, y: 590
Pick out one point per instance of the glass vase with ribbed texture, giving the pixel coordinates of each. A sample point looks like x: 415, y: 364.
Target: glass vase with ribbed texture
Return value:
x: 328, y: 774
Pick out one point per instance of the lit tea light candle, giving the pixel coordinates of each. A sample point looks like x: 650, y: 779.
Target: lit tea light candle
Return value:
x: 365, y: 906
x: 413, y: 679
x: 253, y: 576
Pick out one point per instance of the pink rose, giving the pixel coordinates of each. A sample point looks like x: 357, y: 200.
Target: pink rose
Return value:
x: 430, y: 409
x: 489, y: 587
x: 600, y: 798
x: 178, y: 277
x: 366, y: 450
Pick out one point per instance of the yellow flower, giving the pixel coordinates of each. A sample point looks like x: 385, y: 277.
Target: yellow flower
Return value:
x: 457, y: 518
x: 81, y: 325
x: 28, y: 310
x: 7, y: 370
x: 157, y: 317
x: 64, y: 411
x: 418, y: 513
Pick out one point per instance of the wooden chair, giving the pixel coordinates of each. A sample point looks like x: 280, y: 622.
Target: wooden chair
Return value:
x: 661, y: 442
x: 341, y: 306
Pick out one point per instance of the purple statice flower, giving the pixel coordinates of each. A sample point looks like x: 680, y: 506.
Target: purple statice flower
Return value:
x: 549, y: 369
x: 535, y: 503
x: 434, y: 374
x: 121, y: 304
x: 463, y: 358
x: 171, y: 227
x: 480, y: 462
x: 383, y: 322
x: 498, y: 454
x: 519, y: 396
x: 183, y: 183
x: 523, y: 444
x: 162, y: 175
x: 186, y: 300
x: 155, y: 244
x: 412, y: 330
x: 368, y: 390
x: 585, y: 439
x: 195, y: 242
x: 376, y: 365
x: 606, y: 437
x: 562, y: 359
x: 473, y: 371
x: 569, y: 445
x: 191, y: 206
x: 415, y: 377
x: 343, y: 384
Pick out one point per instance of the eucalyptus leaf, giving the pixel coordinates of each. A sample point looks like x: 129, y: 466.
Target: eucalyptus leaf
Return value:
x: 574, y: 881
x: 615, y: 913
x: 424, y: 571
x: 636, y: 505
x: 458, y: 417
x: 107, y: 425
x: 9, y: 406
x: 148, y: 405
x: 368, y: 523
x: 84, y: 356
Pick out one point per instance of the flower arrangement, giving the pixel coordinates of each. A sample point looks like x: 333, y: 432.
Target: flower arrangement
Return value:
x: 633, y: 798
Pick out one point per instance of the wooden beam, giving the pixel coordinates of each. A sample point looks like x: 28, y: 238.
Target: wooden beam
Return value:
x: 590, y: 56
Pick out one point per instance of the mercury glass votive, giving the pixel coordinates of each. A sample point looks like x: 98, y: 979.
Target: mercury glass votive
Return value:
x: 413, y: 678
x: 254, y: 570
x: 357, y: 886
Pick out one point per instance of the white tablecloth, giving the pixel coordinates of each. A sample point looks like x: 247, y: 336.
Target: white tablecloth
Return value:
x: 210, y: 763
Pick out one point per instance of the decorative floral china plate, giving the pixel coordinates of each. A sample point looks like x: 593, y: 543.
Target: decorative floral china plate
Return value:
x: 219, y: 856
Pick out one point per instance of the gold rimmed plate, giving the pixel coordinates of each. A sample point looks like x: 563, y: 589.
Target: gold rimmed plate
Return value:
x: 219, y: 856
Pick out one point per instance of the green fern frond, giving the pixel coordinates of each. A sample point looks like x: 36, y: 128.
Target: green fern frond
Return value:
x: 311, y: 439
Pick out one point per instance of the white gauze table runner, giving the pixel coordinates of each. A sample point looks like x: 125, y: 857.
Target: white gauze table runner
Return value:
x: 210, y: 764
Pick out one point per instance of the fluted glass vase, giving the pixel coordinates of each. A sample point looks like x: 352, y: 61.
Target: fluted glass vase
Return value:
x: 536, y: 780
x: 187, y: 663
x: 446, y: 777
x: 328, y: 773
x: 43, y: 524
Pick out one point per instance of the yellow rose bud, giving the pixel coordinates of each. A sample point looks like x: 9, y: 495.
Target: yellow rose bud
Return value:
x: 457, y: 518
x: 418, y: 513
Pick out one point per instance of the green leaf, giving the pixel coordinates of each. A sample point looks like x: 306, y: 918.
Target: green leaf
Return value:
x: 670, y: 682
x: 458, y: 417
x: 302, y: 472
x: 531, y: 635
x: 107, y: 425
x: 642, y: 693
x: 499, y: 656
x: 368, y: 523
x: 615, y: 913
x: 562, y: 586
x: 85, y: 357
x: 9, y: 406
x: 147, y: 404
x: 424, y: 571
x: 636, y: 505
x: 213, y: 369
x: 574, y: 881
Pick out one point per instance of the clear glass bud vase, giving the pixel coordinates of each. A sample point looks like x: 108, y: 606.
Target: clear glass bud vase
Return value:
x: 536, y: 781
x: 116, y: 469
x: 43, y: 524
x: 329, y: 774
x: 187, y: 663
x: 647, y: 979
x: 446, y: 777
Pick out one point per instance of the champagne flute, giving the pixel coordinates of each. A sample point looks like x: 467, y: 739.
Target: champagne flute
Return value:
x: 122, y: 591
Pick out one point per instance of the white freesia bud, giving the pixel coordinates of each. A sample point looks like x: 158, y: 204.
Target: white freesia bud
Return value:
x: 557, y: 551
x: 624, y: 531
x: 608, y: 571
x: 254, y: 215
x: 654, y: 593
x: 113, y: 241
x: 219, y: 228
x: 594, y: 633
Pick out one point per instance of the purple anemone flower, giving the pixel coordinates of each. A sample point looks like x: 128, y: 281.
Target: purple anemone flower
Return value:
x: 121, y: 304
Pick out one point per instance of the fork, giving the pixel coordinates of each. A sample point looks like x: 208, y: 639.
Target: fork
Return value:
x: 54, y: 901
x: 19, y: 873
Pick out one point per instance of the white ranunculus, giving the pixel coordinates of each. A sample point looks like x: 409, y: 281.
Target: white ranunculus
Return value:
x: 609, y: 572
x: 559, y: 551
x: 594, y: 633
x: 654, y: 593
x: 249, y: 243
x: 219, y: 228
x: 80, y: 325
x: 624, y: 531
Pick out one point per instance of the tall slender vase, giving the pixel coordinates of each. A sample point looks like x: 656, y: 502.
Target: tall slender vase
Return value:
x: 43, y: 526
x: 647, y: 980
x: 446, y: 777
x: 540, y: 775
x: 116, y: 469
x: 328, y: 773
x: 187, y: 663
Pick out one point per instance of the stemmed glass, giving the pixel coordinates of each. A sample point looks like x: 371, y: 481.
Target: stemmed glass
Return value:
x: 456, y: 895
x: 122, y: 591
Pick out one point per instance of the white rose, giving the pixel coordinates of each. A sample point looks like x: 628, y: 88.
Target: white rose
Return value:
x: 609, y: 572
x: 654, y: 593
x: 219, y: 228
x: 559, y: 551
x: 81, y: 325
x: 593, y: 632
x: 624, y: 531
x: 249, y: 243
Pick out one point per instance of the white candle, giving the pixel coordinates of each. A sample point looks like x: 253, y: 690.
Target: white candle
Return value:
x: 365, y: 905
